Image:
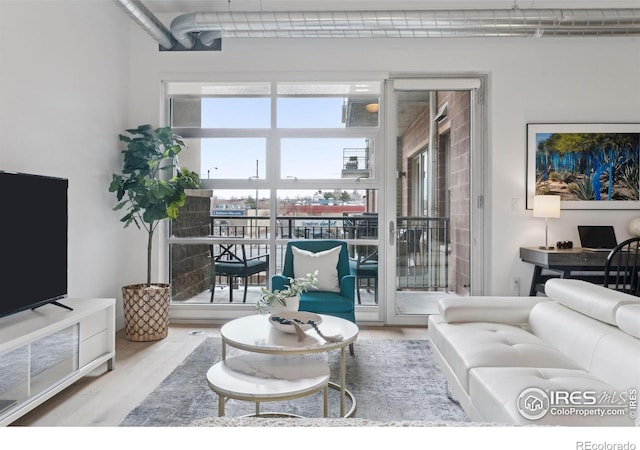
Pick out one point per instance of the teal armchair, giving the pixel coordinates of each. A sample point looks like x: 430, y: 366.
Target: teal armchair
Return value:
x: 339, y: 304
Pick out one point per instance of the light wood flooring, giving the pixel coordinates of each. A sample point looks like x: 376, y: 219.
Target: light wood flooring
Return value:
x: 104, y: 398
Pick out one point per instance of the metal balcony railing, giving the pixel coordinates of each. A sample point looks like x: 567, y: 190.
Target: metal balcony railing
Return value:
x: 422, y: 249
x: 422, y: 243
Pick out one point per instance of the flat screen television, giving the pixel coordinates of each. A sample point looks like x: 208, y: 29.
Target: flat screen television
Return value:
x: 33, y: 229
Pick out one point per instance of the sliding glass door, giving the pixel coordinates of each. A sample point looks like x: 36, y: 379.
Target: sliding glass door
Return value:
x: 433, y: 225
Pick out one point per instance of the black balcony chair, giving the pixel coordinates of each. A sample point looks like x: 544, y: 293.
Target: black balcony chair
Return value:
x: 621, y: 271
x: 364, y: 266
x: 231, y: 261
x: 363, y: 263
x: 410, y: 240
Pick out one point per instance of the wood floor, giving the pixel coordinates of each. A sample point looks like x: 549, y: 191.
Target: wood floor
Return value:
x: 104, y: 398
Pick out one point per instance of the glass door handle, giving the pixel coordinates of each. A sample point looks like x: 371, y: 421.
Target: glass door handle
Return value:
x: 392, y: 232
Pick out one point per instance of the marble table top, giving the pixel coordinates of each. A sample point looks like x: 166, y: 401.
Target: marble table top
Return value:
x: 254, y: 333
x: 257, y: 377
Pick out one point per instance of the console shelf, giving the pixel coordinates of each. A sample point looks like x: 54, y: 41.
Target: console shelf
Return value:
x: 43, y: 351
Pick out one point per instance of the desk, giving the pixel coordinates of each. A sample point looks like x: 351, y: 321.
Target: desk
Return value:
x: 564, y: 263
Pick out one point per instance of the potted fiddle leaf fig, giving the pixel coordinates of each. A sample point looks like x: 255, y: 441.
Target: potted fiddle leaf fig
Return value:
x: 150, y: 189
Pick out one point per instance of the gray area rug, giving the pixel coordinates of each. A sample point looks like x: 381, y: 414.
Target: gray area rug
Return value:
x: 392, y: 380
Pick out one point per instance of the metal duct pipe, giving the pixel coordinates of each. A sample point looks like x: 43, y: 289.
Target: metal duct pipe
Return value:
x: 207, y: 38
x: 183, y: 27
x: 441, y: 23
x: 148, y: 22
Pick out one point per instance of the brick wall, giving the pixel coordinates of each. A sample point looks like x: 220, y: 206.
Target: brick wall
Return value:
x: 416, y: 139
x: 458, y: 124
x: 191, y: 264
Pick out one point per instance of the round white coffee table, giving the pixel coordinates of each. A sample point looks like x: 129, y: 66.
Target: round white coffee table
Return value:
x: 260, y: 378
x: 254, y: 334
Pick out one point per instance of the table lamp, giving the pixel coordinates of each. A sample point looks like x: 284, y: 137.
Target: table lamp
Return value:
x: 547, y: 206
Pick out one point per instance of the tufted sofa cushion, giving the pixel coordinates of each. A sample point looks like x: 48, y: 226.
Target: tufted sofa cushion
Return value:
x: 467, y: 346
x: 495, y: 392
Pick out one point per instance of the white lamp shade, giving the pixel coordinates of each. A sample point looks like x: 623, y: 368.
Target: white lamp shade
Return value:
x: 634, y: 227
x: 546, y: 206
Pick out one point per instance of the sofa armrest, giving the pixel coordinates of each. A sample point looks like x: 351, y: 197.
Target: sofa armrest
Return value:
x: 510, y: 310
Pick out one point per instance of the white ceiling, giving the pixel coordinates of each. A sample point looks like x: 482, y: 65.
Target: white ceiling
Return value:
x: 183, y: 6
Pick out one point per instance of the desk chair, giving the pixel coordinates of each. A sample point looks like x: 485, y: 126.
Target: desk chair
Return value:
x: 621, y: 271
x: 234, y: 264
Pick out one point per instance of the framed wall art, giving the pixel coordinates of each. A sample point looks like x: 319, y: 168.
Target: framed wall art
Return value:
x: 590, y: 166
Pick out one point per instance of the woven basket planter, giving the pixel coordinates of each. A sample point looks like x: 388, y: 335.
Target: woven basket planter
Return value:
x: 146, y: 311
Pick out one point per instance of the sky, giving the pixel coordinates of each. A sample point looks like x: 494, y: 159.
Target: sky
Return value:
x: 235, y: 158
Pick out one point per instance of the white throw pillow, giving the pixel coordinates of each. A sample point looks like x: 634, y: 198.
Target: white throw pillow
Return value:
x: 325, y: 262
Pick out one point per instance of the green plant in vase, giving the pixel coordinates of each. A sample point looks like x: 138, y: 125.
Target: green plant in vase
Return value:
x: 279, y: 297
x: 142, y: 189
x: 150, y: 189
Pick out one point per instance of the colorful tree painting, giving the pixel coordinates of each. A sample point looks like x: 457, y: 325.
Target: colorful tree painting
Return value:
x: 588, y: 166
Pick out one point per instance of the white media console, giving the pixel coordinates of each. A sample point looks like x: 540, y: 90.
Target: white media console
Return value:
x: 43, y: 351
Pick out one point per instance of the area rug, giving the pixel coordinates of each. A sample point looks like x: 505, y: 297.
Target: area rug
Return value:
x: 392, y: 381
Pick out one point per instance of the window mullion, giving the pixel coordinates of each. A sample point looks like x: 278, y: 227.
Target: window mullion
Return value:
x: 204, y: 133
x: 273, y: 174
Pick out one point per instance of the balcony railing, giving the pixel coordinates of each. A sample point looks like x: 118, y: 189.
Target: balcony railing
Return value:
x: 422, y: 243
x: 422, y: 250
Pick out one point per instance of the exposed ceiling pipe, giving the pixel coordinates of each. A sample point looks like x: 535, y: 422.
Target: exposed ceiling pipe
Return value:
x: 183, y: 28
x: 148, y: 22
x: 440, y: 23
x: 207, y: 38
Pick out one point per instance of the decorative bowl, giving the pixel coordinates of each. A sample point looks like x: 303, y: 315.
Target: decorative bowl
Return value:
x: 287, y: 316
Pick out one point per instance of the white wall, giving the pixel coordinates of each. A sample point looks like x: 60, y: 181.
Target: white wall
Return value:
x: 63, y: 101
x: 560, y: 81
x: 530, y: 80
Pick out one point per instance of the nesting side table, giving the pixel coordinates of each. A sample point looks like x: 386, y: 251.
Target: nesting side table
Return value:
x: 266, y: 378
x: 274, y: 369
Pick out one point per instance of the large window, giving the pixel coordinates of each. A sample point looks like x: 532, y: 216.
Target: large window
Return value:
x: 232, y: 158
x: 288, y: 131
x: 277, y: 161
x: 328, y: 158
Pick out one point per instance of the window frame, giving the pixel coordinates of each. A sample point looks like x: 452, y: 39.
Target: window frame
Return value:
x: 275, y: 135
x: 275, y: 182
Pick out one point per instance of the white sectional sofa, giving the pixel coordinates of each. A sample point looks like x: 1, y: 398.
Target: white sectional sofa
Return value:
x: 571, y: 358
